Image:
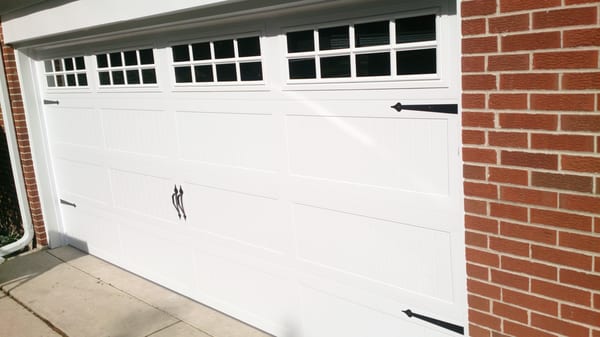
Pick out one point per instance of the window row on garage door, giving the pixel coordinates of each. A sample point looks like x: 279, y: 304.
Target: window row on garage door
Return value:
x: 382, y: 49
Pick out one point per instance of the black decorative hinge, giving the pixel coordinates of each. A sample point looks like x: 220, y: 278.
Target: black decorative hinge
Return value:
x: 64, y: 202
x: 47, y: 101
x: 452, y: 327
x: 440, y: 108
x: 177, y: 199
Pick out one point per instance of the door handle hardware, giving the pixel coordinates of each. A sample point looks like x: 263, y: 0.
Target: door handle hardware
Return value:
x: 449, y: 326
x: 64, y: 202
x: 177, y: 200
x: 440, y: 108
x: 47, y: 101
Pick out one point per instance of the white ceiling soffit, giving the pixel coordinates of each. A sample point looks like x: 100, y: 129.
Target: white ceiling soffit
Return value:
x: 43, y: 22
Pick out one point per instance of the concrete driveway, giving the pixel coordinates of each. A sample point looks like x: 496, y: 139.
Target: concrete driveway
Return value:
x: 65, y: 292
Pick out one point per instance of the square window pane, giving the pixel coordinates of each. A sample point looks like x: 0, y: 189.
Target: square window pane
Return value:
x: 373, y: 64
x: 300, y: 41
x: 420, y: 28
x: 249, y: 46
x: 104, y: 78
x: 251, y: 71
x: 224, y: 49
x: 50, y: 81
x: 148, y: 76
x: 115, y: 60
x: 69, y: 64
x: 183, y: 74
x: 181, y: 53
x: 102, y: 61
x: 372, y: 34
x: 58, y: 65
x: 82, y: 80
x: 130, y: 58
x: 71, y: 80
x: 336, y: 66
x: 80, y: 63
x: 48, y: 66
x: 226, y: 72
x: 146, y: 56
x: 118, y: 78
x: 416, y: 62
x: 204, y: 73
x: 334, y: 38
x: 201, y: 51
x: 133, y: 77
x: 302, y: 69
x: 60, y: 80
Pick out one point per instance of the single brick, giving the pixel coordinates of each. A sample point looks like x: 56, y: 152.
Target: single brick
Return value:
x: 473, y: 101
x: 508, y: 139
x: 510, y: 312
x: 482, y: 257
x: 584, y: 280
x: 589, y: 123
x: 562, y: 142
x: 533, y: 160
x: 508, y: 101
x: 581, y: 315
x: 508, y: 176
x: 561, y: 219
x: 581, y: 164
x: 478, y: 119
x: 563, y: 102
x: 565, y: 17
x: 516, y: 329
x: 530, y: 41
x: 580, y: 203
x: 484, y: 319
x: 473, y: 137
x: 473, y: 64
x: 488, y: 191
x: 481, y: 224
x: 509, y: 23
x: 478, y: 82
x: 580, y: 242
x: 585, y: 59
x: 529, y: 82
x: 478, y: 45
x: 473, y: 27
x: 474, y: 172
x: 508, y: 62
x: 508, y: 246
x: 499, y: 210
x: 478, y: 7
x: 581, y: 37
x: 529, y: 301
x: 478, y: 155
x: 521, y: 5
x: 528, y: 121
x: 567, y: 182
x: 581, y: 81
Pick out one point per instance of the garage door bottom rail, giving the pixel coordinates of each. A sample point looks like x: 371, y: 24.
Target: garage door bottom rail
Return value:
x: 453, y: 327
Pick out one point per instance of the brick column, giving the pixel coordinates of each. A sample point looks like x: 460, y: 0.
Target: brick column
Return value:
x: 531, y: 147
x: 22, y: 134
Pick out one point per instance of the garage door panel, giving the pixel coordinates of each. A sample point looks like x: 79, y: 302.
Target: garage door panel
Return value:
x: 154, y: 257
x: 423, y: 210
x: 237, y: 139
x: 143, y: 194
x: 82, y: 179
x: 257, y: 221
x: 93, y: 230
x: 406, y: 154
x: 328, y: 315
x: 253, y: 294
x: 368, y: 248
x: 149, y: 132
x: 254, y: 182
x: 88, y: 132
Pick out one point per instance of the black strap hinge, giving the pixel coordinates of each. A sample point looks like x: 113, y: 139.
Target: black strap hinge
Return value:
x: 449, y: 326
x: 439, y: 108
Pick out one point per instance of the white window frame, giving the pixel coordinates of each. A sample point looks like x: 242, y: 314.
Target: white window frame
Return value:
x: 124, y: 87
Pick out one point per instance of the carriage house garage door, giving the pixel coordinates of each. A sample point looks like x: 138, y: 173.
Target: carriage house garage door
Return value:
x: 259, y: 167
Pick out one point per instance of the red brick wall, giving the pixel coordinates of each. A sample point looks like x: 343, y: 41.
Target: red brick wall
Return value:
x: 531, y: 135
x: 16, y: 103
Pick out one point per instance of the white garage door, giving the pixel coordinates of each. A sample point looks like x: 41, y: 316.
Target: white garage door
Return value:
x: 260, y: 168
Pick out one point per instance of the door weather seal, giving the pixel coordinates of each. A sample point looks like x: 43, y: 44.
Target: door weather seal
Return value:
x: 439, y: 108
x: 452, y: 327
